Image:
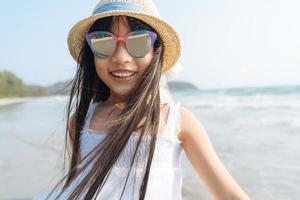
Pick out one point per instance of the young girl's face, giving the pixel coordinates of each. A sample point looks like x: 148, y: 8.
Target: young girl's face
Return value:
x: 123, y: 61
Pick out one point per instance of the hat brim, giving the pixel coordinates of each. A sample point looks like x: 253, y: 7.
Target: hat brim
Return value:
x: 170, y: 38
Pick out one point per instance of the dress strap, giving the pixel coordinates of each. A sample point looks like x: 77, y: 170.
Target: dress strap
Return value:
x: 173, y: 121
x: 89, y: 113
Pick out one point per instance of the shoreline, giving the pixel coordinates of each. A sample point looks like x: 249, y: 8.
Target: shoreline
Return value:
x: 14, y: 100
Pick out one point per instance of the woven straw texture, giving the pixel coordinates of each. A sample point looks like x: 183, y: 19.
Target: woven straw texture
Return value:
x: 149, y: 14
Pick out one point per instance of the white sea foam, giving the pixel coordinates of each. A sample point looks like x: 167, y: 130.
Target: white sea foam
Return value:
x: 251, y: 101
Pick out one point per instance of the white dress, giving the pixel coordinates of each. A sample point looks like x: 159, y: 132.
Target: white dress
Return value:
x: 165, y: 178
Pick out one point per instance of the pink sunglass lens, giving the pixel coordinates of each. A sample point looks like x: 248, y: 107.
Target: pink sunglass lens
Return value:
x: 139, y: 45
x: 103, y: 44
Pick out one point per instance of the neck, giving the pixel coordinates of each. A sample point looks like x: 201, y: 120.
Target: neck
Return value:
x: 116, y: 100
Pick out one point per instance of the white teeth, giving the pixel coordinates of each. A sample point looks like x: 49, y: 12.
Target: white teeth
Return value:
x: 123, y: 74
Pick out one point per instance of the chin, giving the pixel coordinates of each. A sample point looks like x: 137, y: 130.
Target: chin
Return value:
x: 121, y: 92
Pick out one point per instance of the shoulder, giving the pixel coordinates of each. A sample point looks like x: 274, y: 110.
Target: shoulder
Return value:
x: 190, y: 126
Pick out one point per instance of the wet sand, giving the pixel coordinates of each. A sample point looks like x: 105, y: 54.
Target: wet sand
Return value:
x: 257, y: 141
x: 14, y: 100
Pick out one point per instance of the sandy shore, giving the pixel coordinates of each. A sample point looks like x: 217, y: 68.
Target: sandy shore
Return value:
x: 8, y: 101
x: 32, y: 141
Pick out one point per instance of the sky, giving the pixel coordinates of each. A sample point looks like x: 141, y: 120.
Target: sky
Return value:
x: 225, y: 43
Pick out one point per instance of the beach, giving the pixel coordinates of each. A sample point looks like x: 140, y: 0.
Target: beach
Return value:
x: 256, y: 137
x: 9, y: 101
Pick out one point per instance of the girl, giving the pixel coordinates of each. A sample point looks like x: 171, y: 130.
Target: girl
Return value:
x: 125, y: 143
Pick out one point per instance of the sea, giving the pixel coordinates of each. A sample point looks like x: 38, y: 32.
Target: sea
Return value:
x: 254, y: 131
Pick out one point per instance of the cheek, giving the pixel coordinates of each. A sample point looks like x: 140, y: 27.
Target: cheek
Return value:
x: 145, y: 62
x: 101, y: 67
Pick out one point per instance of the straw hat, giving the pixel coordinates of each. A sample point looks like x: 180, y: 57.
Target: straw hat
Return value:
x: 144, y: 10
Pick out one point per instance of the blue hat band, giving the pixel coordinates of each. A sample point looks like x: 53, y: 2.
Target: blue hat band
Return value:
x: 120, y: 6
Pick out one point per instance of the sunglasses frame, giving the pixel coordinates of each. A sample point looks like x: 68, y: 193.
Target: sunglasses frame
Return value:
x: 117, y: 39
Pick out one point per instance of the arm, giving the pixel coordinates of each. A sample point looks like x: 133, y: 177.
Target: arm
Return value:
x: 205, y: 161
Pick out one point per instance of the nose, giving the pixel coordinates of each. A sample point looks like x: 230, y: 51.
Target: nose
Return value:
x: 121, y: 55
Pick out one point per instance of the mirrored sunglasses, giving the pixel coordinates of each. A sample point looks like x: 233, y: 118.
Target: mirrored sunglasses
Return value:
x: 138, y: 43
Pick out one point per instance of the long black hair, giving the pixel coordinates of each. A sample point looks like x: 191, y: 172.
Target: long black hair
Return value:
x: 144, y: 106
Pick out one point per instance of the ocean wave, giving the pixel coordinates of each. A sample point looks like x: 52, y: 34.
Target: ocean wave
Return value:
x: 244, y: 102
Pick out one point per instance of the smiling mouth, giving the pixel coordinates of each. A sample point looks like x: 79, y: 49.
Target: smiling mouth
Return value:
x: 123, y: 77
x: 127, y: 75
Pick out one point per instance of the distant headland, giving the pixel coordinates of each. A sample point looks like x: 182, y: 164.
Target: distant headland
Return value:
x: 11, y: 86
